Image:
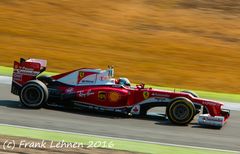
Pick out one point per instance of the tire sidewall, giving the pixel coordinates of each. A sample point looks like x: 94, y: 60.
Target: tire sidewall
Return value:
x: 41, y: 87
x: 181, y: 101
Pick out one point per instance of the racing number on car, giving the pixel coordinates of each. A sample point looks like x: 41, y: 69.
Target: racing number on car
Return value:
x: 145, y: 94
x: 102, y: 95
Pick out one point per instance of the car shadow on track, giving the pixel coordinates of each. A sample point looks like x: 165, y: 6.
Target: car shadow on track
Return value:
x: 12, y: 104
x: 206, y: 127
x: 192, y: 125
x: 103, y: 114
x: 82, y: 111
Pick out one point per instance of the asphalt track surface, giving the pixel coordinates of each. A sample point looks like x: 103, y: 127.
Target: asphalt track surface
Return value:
x: 148, y: 129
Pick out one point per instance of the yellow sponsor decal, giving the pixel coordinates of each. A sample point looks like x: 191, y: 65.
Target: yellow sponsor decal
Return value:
x: 146, y: 94
x: 102, y: 96
x: 81, y: 74
x: 114, y: 96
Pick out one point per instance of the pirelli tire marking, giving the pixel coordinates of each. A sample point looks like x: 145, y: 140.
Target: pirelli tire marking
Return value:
x: 174, y: 111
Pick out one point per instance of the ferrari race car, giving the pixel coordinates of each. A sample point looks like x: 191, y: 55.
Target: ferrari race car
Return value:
x: 97, y: 89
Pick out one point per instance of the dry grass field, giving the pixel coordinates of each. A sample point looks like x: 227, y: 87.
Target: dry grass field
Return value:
x: 192, y: 44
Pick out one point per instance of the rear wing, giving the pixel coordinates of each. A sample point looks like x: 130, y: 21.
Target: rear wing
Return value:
x: 26, y: 70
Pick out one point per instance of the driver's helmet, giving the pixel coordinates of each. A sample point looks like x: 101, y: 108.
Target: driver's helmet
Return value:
x: 124, y: 82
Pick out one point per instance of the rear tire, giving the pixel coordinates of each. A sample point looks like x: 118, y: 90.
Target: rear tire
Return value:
x: 181, y: 111
x: 34, y: 94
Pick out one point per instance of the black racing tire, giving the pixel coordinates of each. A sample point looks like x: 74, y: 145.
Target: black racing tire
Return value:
x: 34, y: 94
x: 180, y: 111
x: 191, y: 93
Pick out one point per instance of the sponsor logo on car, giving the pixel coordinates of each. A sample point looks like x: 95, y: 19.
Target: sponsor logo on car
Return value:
x: 136, y: 110
x: 213, y: 119
x: 17, y: 77
x: 114, y: 96
x: 85, y: 94
x: 69, y: 90
x: 81, y: 74
x: 87, y: 81
x: 26, y: 71
x: 162, y: 99
x: 146, y: 94
x: 159, y: 95
x: 102, y: 95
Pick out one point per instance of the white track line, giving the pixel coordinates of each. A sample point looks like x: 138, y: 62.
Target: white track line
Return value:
x: 232, y: 106
x: 124, y: 139
x: 5, y: 80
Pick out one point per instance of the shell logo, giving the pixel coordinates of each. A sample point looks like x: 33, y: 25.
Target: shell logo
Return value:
x: 146, y: 94
x: 114, y: 96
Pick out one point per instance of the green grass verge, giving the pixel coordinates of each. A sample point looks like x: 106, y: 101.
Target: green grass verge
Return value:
x: 235, y: 98
x: 225, y: 97
x: 7, y: 71
x: 119, y: 144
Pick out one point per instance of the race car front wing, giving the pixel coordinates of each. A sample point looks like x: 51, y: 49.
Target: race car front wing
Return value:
x: 216, y: 121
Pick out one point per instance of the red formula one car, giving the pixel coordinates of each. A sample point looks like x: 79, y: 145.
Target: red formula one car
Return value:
x: 97, y: 89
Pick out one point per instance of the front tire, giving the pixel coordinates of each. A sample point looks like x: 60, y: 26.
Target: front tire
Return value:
x: 181, y: 111
x: 34, y: 94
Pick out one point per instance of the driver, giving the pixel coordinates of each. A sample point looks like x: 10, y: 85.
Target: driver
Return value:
x: 123, y: 81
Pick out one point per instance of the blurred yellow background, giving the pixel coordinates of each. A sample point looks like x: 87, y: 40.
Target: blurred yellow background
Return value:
x: 192, y: 44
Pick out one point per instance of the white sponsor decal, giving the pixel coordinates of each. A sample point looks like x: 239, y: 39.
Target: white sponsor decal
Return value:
x: 17, y: 77
x: 26, y: 71
x: 161, y: 99
x: 87, y: 81
x: 136, y: 110
x: 84, y: 94
x: 69, y: 90
x: 206, y: 119
x: 159, y: 95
